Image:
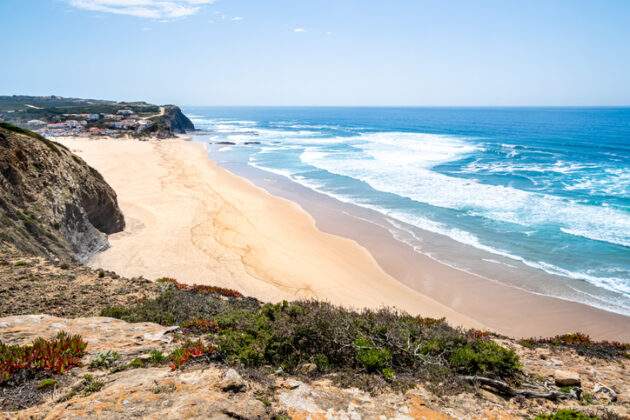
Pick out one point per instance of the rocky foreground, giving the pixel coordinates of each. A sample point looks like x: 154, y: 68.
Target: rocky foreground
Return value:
x: 126, y: 370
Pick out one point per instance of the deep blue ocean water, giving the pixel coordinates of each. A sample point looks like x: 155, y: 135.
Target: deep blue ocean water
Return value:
x: 544, y: 187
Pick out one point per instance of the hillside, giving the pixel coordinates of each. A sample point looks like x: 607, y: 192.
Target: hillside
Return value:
x: 51, y: 202
x: 57, y: 116
x: 184, y: 351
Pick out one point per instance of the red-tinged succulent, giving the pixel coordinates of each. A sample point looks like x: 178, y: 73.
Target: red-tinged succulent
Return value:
x: 201, y: 288
x: 192, y: 350
x: 54, y: 356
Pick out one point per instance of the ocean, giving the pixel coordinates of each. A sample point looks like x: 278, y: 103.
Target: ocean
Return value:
x: 538, y: 197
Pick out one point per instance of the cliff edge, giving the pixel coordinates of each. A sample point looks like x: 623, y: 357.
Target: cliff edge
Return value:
x: 51, y: 202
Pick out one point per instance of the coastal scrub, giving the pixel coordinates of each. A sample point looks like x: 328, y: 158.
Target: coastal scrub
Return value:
x: 323, y: 337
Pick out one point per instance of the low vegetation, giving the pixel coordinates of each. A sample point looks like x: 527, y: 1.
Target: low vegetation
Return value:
x: 178, y: 304
x: 565, y: 415
x: 50, y: 356
x: 583, y: 345
x: 200, y: 288
x: 88, y: 385
x: 190, y: 351
x: 287, y: 336
x: 105, y: 360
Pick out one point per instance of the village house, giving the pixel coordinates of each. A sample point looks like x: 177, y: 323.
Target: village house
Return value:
x: 36, y: 123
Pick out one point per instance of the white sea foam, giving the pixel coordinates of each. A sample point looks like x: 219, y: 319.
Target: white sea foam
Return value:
x: 613, y: 284
x: 401, y: 164
x: 614, y: 181
x: 508, y: 166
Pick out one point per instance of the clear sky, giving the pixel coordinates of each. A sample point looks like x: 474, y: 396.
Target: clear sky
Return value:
x: 319, y: 52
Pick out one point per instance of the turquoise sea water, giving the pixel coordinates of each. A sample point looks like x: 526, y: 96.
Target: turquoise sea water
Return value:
x: 547, y: 188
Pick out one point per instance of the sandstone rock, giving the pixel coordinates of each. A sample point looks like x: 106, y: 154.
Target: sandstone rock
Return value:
x: 489, y: 396
x: 292, y: 384
x: 566, y: 378
x: 232, y: 381
x: 308, y: 368
x: 624, y: 396
x: 100, y: 333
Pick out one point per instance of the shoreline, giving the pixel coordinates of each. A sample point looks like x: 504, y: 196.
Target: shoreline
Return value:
x: 366, y: 267
x: 506, y: 308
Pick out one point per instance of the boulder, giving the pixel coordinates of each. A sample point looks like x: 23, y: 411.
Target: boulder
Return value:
x: 232, y: 382
x: 566, y: 378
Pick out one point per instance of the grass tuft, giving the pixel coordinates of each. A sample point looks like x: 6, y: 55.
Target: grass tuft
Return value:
x: 565, y: 415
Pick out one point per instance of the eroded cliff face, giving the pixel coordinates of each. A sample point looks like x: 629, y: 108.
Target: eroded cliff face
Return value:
x: 171, y: 121
x: 51, y: 202
x: 177, y: 121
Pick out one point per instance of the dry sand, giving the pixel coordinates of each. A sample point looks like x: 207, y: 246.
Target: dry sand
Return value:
x: 190, y: 219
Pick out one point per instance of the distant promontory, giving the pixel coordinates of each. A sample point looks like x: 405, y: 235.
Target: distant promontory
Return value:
x: 55, y: 116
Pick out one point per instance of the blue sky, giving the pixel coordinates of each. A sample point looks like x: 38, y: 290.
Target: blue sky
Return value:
x: 319, y: 52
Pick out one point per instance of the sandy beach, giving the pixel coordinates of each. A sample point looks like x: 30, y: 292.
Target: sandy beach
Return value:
x: 190, y: 219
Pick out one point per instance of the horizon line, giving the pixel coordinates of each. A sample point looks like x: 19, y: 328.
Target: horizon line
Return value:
x: 408, y: 106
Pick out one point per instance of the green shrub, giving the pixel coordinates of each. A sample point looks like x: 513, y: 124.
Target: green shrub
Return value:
x: 289, y: 334
x: 156, y: 357
x: 104, y: 359
x: 321, y: 361
x: 389, y: 374
x: 372, y: 358
x: 286, y: 335
x: 175, y: 306
x: 117, y: 312
x: 485, y: 357
x: 47, y: 383
x: 87, y: 386
x: 136, y: 363
x: 587, y: 398
x: 565, y: 415
x: 91, y: 385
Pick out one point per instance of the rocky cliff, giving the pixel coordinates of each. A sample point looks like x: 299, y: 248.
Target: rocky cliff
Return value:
x: 176, y: 120
x: 51, y: 202
x: 169, y: 122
